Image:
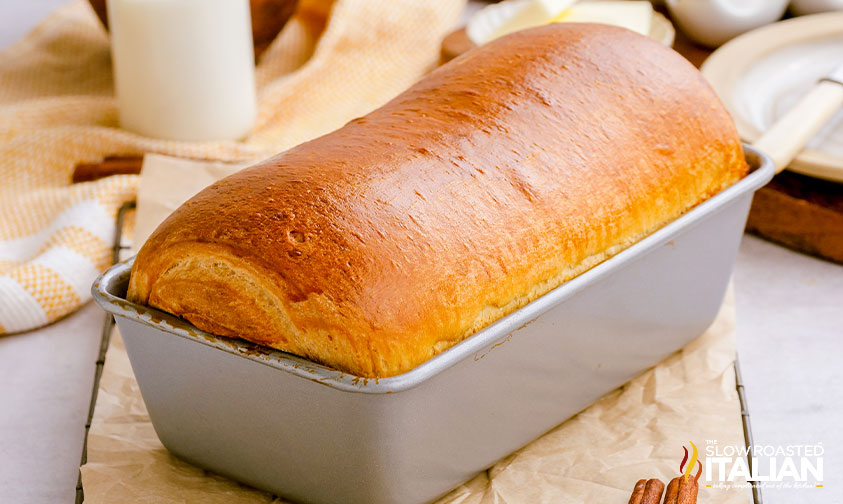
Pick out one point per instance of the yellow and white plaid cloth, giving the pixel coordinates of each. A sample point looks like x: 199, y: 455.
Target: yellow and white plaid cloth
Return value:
x: 333, y: 61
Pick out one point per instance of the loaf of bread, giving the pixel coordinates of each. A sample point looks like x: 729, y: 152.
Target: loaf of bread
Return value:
x: 493, y: 180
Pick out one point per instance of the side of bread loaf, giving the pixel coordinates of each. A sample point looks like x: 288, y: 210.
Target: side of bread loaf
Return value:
x: 493, y: 180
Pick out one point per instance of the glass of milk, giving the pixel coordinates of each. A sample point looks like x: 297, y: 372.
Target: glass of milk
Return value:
x: 183, y: 69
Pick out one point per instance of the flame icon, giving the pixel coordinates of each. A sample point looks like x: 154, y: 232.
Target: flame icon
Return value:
x: 686, y: 470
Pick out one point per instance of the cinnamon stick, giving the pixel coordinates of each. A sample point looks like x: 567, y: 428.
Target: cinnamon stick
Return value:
x: 681, y: 491
x: 111, y: 165
x: 653, y: 491
x: 647, y: 492
x: 672, y: 492
x: 638, y: 492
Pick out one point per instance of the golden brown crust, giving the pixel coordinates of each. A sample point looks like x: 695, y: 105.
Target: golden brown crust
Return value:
x: 488, y: 183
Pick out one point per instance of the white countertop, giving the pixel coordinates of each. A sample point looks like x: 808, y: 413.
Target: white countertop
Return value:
x: 790, y: 341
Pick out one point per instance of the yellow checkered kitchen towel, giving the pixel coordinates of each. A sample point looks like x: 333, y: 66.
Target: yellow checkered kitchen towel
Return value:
x: 333, y: 61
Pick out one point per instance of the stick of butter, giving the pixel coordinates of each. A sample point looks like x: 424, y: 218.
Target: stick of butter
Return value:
x: 532, y: 13
x: 633, y: 15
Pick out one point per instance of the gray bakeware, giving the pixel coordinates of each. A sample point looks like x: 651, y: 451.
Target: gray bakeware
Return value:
x: 314, y: 434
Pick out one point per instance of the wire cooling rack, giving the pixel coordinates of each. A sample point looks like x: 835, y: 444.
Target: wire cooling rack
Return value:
x: 118, y: 247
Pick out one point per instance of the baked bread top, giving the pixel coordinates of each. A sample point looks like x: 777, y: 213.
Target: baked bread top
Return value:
x: 493, y: 180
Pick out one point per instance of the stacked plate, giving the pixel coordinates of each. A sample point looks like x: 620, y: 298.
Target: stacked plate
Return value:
x: 761, y: 74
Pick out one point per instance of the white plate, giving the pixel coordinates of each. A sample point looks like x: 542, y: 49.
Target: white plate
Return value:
x: 760, y: 74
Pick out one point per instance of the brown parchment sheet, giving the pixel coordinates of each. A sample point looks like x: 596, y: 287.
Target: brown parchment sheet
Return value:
x: 637, y: 431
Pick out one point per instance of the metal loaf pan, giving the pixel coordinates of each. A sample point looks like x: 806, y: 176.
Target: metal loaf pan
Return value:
x: 313, y: 434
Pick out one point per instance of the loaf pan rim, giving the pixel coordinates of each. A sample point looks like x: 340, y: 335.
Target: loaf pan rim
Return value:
x: 761, y: 171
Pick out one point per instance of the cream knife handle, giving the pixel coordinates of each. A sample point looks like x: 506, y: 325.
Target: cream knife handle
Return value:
x: 788, y: 135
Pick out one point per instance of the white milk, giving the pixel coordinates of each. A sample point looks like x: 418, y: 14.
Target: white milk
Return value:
x: 183, y: 69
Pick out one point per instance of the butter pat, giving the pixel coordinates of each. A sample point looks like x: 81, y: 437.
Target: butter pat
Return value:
x: 531, y: 13
x: 632, y: 15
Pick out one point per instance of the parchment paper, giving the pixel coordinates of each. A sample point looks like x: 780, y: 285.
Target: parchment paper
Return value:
x: 634, y: 432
